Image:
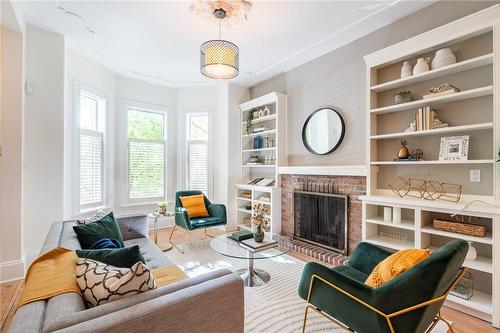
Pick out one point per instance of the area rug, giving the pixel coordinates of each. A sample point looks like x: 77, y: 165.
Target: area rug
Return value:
x: 272, y: 308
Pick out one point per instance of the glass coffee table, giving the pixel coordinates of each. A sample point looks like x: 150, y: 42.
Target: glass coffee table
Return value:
x: 251, y: 276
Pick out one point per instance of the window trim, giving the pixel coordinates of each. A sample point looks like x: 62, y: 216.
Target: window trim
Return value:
x: 167, y: 136
x: 185, y: 114
x: 79, y: 209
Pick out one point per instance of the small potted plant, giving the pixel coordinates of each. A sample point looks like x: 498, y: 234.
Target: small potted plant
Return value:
x: 162, y: 207
x: 259, y: 220
x: 249, y: 120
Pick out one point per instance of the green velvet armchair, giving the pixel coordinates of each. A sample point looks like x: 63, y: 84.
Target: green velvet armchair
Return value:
x: 217, y: 216
x: 408, y: 303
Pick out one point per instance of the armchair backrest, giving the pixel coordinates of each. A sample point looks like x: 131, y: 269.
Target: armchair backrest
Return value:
x: 424, y: 281
x: 187, y: 193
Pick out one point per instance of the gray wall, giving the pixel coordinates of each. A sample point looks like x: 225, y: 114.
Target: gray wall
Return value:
x: 337, y: 79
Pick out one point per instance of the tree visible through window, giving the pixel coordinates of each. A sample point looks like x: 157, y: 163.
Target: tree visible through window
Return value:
x: 197, y: 152
x: 146, y: 154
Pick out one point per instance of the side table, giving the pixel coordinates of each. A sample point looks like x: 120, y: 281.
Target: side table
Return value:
x: 156, y: 217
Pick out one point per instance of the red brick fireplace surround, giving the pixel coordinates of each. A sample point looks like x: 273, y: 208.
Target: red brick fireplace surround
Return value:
x: 352, y: 186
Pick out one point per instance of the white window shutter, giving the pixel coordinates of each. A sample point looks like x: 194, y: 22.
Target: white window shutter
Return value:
x: 91, y: 167
x: 197, y: 165
x: 146, y: 169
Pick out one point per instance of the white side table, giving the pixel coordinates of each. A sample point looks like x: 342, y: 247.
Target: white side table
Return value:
x: 156, y: 217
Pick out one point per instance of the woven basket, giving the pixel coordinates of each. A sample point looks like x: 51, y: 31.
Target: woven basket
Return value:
x: 460, y: 228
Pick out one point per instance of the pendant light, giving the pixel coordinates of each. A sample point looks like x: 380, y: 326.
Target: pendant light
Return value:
x: 219, y: 58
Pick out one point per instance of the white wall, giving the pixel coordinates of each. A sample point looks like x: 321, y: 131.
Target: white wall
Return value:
x: 11, y: 98
x: 43, y: 137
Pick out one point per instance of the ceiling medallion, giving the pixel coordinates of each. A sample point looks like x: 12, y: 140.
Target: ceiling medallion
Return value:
x: 235, y: 10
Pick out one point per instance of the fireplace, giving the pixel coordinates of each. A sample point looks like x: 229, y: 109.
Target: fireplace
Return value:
x: 321, y: 219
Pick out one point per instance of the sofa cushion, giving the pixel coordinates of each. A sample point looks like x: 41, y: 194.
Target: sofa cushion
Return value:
x: 152, y: 254
x: 203, y: 222
x: 101, y: 283
x: 124, y: 257
x: 90, y: 233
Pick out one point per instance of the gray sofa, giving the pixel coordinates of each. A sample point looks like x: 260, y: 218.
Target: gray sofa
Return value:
x: 212, y: 302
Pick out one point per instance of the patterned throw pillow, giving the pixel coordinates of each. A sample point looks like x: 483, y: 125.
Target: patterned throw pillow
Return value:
x: 394, y: 265
x: 101, y: 283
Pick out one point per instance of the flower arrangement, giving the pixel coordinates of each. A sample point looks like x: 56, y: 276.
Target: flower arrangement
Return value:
x: 259, y: 215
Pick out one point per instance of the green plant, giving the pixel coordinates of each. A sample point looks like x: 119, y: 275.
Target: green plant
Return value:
x: 249, y: 119
x: 162, y: 205
x: 406, y: 92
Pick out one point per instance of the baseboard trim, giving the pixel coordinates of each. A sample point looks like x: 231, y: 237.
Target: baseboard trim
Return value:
x: 11, y: 270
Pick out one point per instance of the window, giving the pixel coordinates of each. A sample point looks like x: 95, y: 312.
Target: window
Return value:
x: 91, y: 116
x: 146, y: 154
x: 197, y: 168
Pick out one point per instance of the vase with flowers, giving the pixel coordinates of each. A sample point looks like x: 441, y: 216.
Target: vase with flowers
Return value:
x: 260, y: 220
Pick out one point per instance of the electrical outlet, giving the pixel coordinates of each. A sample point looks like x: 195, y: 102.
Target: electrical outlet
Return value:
x: 475, y: 176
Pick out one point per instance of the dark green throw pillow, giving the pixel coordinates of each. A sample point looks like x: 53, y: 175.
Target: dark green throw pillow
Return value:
x: 90, y: 233
x: 125, y: 257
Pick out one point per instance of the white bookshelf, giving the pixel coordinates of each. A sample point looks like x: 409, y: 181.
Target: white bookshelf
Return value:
x: 275, y: 131
x: 473, y: 111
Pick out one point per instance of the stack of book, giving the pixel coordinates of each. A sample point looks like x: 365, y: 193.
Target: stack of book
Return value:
x: 251, y: 245
x: 426, y: 119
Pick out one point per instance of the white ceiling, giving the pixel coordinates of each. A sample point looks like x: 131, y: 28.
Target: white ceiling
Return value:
x: 159, y: 41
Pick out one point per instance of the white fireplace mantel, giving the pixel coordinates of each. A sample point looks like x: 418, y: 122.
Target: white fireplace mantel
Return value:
x: 337, y: 170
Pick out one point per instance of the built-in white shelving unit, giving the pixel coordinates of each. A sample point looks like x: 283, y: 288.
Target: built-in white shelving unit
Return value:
x: 473, y: 111
x: 273, y: 147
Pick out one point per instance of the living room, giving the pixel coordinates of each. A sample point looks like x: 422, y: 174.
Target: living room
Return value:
x: 316, y: 170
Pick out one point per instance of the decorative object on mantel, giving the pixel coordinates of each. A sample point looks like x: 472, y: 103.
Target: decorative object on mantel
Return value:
x: 470, y: 229
x: 403, y: 152
x: 406, y: 70
x: 323, y: 131
x: 421, y: 66
x: 472, y: 253
x: 464, y: 288
x: 259, y: 220
x: 454, y: 148
x: 426, y: 189
x: 441, y: 90
x: 443, y: 57
x: 402, y: 97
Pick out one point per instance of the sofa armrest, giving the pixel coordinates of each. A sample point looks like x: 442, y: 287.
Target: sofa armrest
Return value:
x: 366, y: 256
x: 133, y: 226
x: 210, y: 307
x: 217, y: 210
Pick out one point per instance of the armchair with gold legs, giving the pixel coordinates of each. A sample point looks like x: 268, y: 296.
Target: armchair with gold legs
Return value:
x: 408, y: 303
x: 217, y: 216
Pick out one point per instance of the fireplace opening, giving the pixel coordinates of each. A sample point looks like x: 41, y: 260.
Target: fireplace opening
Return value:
x: 321, y: 219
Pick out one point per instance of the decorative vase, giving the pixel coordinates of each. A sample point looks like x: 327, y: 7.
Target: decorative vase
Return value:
x: 443, y: 57
x: 472, y: 253
x: 403, y: 152
x: 421, y: 66
x: 258, y: 234
x: 406, y: 69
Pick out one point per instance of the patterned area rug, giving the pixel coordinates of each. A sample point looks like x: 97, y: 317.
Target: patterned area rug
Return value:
x: 272, y: 308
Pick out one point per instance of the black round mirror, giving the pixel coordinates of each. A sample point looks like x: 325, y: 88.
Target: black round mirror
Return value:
x: 323, y: 131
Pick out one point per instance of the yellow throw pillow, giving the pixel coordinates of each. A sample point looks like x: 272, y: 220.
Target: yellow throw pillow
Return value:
x: 195, y: 205
x: 394, y: 265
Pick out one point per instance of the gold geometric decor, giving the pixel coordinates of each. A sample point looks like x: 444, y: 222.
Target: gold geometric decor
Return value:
x: 426, y: 189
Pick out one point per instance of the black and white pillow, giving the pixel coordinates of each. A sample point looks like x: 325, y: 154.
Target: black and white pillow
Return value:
x: 101, y: 283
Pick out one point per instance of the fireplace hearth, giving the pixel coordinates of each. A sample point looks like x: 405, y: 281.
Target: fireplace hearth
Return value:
x: 321, y: 219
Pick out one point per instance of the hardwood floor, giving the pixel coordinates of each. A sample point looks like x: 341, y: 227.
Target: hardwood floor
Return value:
x: 9, y: 292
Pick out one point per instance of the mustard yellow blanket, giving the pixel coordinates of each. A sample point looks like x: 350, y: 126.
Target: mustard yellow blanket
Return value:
x: 54, y: 273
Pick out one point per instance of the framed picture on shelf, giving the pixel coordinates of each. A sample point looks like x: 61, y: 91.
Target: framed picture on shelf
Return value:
x: 454, y: 148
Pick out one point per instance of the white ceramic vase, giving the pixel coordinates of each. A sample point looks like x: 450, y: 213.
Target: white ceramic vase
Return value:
x: 406, y: 69
x: 443, y: 57
x: 472, y: 253
x: 421, y: 66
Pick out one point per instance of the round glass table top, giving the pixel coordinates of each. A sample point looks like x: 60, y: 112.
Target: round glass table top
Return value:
x: 231, y: 248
